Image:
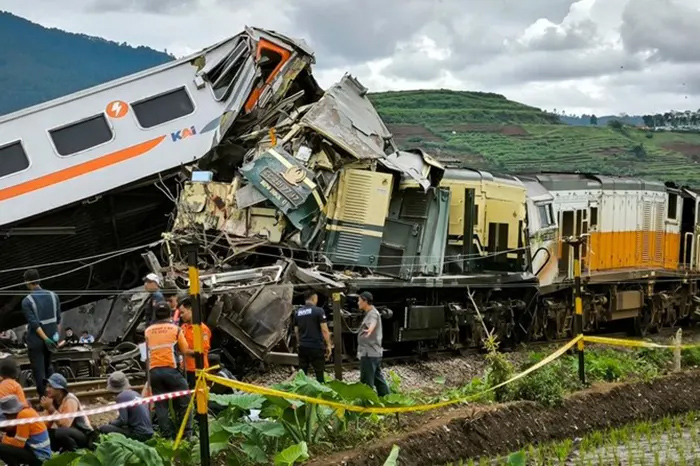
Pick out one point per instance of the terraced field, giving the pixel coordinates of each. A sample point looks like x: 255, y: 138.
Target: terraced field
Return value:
x: 488, y: 131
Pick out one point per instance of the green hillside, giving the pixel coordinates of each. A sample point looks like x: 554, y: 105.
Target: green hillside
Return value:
x: 489, y: 131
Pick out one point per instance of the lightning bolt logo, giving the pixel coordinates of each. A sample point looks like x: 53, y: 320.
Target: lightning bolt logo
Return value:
x: 117, y: 109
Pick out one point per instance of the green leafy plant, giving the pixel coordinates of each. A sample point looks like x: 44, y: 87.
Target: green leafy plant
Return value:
x: 111, y: 450
x: 292, y: 455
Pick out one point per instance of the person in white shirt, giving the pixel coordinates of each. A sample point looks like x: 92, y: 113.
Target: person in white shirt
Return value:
x: 86, y: 338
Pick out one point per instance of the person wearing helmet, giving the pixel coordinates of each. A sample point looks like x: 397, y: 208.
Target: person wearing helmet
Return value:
x: 162, y: 338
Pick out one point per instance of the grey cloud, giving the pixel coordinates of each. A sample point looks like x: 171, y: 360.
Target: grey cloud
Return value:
x: 346, y: 31
x: 410, y: 63
x: 147, y: 6
x: 667, y: 30
x: 351, y: 31
x: 679, y: 79
x: 574, y: 36
x: 554, y: 66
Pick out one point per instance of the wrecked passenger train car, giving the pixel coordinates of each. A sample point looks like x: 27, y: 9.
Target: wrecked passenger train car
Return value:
x: 326, y: 191
x: 94, y: 174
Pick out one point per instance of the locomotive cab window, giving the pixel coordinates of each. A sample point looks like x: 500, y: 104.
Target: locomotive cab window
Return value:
x: 163, y: 108
x: 545, y: 214
x: 80, y: 136
x: 13, y: 159
x: 672, y: 206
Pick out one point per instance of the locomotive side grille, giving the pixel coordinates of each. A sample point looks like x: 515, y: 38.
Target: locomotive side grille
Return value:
x: 659, y: 232
x: 415, y: 205
x: 646, y: 231
x: 356, y: 198
x: 390, y: 260
x: 348, y: 247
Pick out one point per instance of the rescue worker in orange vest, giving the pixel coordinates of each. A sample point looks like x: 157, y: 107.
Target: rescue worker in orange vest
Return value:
x: 185, y: 309
x: 162, y: 336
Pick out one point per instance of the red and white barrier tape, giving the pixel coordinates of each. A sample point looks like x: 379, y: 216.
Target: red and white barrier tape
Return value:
x: 101, y: 410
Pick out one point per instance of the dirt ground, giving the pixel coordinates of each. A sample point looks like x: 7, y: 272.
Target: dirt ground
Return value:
x: 445, y: 436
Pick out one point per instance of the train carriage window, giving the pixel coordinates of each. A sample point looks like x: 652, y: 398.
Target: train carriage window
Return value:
x: 672, y: 206
x: 13, y: 159
x: 162, y: 108
x: 80, y: 136
x: 594, y: 216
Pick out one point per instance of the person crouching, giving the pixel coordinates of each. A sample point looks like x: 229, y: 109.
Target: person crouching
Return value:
x: 66, y: 434
x: 26, y: 443
x: 133, y: 422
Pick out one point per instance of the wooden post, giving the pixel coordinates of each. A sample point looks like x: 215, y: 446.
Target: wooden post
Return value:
x: 202, y: 402
x: 677, y: 350
x: 337, y: 337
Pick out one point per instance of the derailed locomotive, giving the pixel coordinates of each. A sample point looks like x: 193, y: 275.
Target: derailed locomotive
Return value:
x: 403, y: 240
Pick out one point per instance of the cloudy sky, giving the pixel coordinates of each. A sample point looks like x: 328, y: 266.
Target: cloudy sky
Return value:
x: 600, y: 56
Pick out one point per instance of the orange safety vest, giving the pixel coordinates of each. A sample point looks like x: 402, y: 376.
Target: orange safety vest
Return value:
x: 188, y: 330
x: 161, y: 339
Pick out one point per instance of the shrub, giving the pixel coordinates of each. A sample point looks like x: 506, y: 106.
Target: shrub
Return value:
x: 544, y: 386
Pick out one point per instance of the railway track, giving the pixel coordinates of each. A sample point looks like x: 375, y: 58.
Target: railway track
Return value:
x: 87, y: 391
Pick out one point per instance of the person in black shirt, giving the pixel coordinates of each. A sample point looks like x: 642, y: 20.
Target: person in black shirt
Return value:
x: 311, y: 330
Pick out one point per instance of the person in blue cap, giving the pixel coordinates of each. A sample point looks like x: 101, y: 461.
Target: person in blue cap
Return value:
x: 66, y: 434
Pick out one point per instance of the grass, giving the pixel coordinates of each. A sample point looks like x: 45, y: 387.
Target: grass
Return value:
x: 673, y: 440
x: 470, y: 126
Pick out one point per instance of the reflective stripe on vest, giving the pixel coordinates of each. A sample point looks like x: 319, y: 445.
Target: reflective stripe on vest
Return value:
x: 53, y: 319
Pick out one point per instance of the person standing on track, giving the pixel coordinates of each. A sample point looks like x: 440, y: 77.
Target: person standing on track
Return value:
x: 369, y: 345
x: 42, y: 309
x: 311, y: 330
x: 161, y: 339
x: 151, y: 283
x: 185, y: 309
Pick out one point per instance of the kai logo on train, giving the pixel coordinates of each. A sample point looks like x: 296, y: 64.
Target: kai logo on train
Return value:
x: 183, y: 133
x: 117, y: 109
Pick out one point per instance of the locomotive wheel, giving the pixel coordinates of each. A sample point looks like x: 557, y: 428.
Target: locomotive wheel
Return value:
x: 642, y: 324
x: 25, y: 378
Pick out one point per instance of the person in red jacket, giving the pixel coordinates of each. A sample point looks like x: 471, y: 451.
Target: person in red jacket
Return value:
x: 188, y: 329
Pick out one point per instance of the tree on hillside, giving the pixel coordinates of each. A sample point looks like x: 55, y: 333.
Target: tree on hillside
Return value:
x: 648, y: 121
x: 594, y: 120
x: 615, y: 124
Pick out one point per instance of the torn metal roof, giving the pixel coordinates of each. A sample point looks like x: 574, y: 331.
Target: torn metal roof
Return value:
x: 346, y: 117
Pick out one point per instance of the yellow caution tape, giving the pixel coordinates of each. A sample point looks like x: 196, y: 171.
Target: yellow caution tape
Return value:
x: 259, y: 390
x: 633, y: 343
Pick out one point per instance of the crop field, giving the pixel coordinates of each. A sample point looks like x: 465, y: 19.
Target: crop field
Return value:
x: 671, y: 441
x: 491, y: 132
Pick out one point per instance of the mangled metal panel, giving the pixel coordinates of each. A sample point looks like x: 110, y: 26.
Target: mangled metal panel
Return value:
x: 252, y: 70
x: 288, y: 184
x: 356, y: 217
x: 212, y: 206
x: 415, y: 165
x: 258, y: 318
x: 428, y: 213
x: 346, y: 117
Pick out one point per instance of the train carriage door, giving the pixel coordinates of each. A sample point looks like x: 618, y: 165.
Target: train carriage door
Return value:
x: 566, y: 229
x: 689, y: 230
